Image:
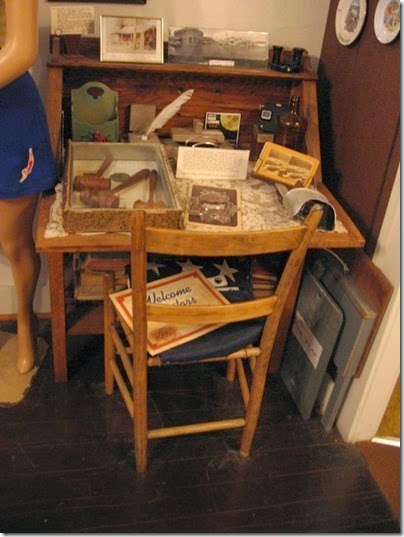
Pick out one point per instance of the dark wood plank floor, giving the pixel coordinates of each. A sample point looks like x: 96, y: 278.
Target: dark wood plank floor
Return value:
x: 66, y: 463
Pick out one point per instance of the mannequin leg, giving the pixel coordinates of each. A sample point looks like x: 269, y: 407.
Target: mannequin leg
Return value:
x: 17, y: 216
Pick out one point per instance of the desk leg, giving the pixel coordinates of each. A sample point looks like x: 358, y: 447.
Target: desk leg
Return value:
x: 58, y: 315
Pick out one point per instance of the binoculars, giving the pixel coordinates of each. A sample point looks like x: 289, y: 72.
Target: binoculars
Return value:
x: 294, y: 66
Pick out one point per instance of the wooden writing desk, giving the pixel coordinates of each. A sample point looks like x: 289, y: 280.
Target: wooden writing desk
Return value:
x: 216, y: 89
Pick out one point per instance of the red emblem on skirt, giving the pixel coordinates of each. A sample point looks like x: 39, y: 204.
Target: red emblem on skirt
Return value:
x: 30, y: 164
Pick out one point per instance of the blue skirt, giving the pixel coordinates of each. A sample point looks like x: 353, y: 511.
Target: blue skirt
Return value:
x: 27, y: 163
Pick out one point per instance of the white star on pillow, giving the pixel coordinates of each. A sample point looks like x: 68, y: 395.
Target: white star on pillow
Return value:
x: 154, y: 267
x: 188, y: 265
x: 227, y: 271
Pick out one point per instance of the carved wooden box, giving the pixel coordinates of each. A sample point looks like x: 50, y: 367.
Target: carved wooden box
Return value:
x: 105, y: 182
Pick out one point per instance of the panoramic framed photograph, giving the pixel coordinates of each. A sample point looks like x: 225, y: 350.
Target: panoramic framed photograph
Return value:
x: 218, y: 47
x: 131, y: 39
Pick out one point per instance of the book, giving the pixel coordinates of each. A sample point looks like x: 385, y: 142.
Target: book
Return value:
x: 186, y: 288
x: 89, y: 270
x: 102, y: 262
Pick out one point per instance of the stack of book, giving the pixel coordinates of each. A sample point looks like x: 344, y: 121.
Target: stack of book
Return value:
x: 264, y: 278
x: 89, y: 273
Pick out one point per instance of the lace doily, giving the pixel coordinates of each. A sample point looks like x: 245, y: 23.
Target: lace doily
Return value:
x: 260, y: 206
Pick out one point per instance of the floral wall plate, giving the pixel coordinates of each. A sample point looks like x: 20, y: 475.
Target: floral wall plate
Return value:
x: 349, y: 20
x: 387, y: 20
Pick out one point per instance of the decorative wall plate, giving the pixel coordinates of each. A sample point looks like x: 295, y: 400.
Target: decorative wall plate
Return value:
x: 387, y: 20
x: 349, y: 20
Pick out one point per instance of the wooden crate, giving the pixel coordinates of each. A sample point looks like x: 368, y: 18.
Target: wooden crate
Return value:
x: 86, y: 158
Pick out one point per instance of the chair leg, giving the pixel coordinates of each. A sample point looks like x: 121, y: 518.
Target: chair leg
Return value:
x: 109, y: 347
x: 254, y: 404
x: 231, y: 370
x: 140, y: 412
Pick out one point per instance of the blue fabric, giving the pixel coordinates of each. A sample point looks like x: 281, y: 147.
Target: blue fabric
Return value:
x: 232, y: 276
x: 23, y: 135
x: 220, y: 342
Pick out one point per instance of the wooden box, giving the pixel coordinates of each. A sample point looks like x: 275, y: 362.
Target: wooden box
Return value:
x: 103, y: 182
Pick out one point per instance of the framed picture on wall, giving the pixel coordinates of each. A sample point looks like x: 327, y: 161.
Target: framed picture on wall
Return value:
x: 131, y: 39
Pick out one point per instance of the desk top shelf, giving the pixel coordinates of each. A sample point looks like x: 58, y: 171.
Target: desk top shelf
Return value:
x: 85, y: 62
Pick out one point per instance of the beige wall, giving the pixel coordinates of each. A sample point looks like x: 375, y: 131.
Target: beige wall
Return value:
x: 290, y: 23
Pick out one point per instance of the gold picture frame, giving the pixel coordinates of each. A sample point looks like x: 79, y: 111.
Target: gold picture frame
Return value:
x: 131, y: 39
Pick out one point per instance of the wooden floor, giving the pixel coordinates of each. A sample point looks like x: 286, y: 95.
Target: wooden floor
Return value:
x: 66, y: 463
x: 384, y: 462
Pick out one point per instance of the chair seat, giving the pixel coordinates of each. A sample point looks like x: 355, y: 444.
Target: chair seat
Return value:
x: 220, y: 342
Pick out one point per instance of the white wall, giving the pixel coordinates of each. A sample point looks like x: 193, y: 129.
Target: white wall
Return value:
x: 369, y: 395
x: 290, y: 23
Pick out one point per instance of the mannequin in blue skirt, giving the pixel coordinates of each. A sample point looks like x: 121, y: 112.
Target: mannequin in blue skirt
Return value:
x: 27, y: 166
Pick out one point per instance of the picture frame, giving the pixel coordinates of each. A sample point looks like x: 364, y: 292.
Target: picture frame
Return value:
x: 211, y: 46
x: 191, y: 286
x: 131, y: 39
x: 286, y: 166
x: 214, y: 208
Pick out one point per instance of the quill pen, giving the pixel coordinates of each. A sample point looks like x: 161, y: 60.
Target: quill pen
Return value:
x: 169, y: 111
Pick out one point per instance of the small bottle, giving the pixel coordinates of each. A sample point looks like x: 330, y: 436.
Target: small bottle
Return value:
x: 291, y: 127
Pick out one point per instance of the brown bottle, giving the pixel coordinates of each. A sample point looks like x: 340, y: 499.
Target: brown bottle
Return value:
x: 291, y: 127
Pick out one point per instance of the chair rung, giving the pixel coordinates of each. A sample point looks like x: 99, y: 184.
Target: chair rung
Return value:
x: 194, y: 428
x: 122, y: 387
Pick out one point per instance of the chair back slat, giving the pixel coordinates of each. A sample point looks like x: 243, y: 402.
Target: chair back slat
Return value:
x: 227, y: 313
x: 210, y: 244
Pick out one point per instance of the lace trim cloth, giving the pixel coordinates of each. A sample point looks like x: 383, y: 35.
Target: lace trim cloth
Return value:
x: 260, y: 207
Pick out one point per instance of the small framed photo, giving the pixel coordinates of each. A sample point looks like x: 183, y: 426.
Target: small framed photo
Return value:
x: 213, y: 208
x: 287, y: 166
x: 227, y: 123
x: 131, y: 39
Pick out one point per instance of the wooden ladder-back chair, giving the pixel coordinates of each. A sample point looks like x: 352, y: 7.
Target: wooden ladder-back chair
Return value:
x: 126, y: 356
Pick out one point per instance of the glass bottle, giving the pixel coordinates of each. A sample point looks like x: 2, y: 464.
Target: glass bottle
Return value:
x: 291, y: 127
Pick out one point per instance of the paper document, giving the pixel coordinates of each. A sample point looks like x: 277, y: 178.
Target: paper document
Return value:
x: 204, y: 163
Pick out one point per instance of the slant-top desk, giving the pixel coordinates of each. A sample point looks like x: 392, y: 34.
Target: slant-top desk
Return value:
x: 216, y: 89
